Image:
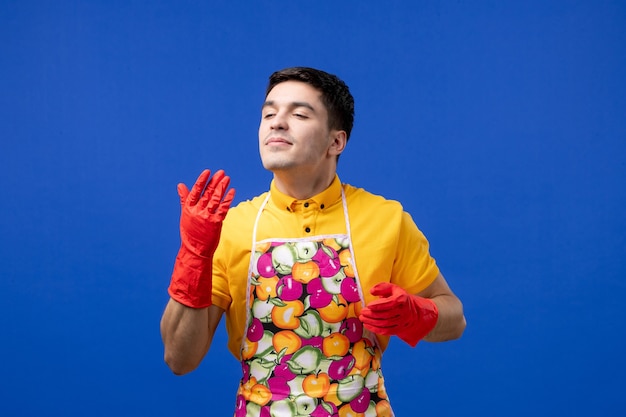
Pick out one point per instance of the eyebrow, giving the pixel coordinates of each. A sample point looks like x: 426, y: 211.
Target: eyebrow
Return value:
x: 293, y: 104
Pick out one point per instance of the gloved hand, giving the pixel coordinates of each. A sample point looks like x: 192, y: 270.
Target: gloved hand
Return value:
x: 399, y: 313
x: 202, y: 213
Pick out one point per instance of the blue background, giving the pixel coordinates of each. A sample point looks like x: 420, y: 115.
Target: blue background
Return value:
x: 500, y: 126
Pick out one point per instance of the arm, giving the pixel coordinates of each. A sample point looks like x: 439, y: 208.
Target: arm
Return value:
x: 451, y: 321
x: 187, y: 334
x: 189, y: 321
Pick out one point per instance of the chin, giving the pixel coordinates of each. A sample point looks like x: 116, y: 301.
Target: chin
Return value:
x: 278, y: 167
x: 276, y: 164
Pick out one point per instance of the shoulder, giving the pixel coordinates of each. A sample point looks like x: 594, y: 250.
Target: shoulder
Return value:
x: 363, y: 200
x: 237, y: 228
x: 244, y: 212
x: 376, y: 212
x: 370, y: 213
x: 247, y: 206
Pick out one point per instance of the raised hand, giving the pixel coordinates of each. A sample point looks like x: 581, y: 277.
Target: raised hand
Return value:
x: 202, y: 212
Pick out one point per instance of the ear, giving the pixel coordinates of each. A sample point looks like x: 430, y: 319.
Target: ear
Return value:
x: 339, y: 139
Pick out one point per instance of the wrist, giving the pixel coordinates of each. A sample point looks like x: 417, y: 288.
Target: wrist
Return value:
x: 195, y: 247
x: 191, y: 283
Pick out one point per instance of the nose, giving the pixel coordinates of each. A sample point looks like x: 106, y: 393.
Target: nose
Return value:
x: 279, y: 122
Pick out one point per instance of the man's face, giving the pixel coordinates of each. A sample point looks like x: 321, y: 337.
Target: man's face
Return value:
x: 294, y: 129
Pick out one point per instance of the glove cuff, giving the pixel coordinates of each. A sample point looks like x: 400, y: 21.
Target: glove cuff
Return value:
x: 426, y: 315
x: 191, y: 282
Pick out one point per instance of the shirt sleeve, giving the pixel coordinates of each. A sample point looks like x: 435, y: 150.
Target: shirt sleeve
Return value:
x: 414, y: 268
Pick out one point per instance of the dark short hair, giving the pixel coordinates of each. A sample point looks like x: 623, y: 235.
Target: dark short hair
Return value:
x: 336, y: 95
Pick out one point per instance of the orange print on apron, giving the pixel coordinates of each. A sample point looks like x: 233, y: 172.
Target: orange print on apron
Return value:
x: 304, y: 350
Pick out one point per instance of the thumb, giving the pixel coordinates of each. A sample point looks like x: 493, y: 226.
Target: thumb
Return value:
x: 183, y: 192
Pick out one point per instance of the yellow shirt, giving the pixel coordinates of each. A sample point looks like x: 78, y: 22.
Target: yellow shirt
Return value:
x: 387, y: 244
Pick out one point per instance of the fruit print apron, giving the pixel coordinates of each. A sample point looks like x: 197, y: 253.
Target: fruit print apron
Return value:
x: 304, y: 350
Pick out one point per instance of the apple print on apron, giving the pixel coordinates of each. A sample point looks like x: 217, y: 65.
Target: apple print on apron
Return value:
x: 304, y: 350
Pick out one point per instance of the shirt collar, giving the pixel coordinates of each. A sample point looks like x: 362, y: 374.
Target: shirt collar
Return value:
x: 323, y: 200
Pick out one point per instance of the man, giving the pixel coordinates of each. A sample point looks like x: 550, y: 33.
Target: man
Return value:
x: 314, y: 275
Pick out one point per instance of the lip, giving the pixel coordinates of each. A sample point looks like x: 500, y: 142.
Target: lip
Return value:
x: 277, y: 140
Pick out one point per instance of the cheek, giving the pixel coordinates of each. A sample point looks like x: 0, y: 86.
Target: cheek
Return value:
x: 262, y: 133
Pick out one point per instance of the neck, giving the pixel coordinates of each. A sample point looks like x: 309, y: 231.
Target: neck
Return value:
x: 301, y: 186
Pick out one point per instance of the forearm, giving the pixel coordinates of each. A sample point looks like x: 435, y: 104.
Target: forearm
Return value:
x: 189, y: 320
x: 451, y: 321
x: 187, y: 334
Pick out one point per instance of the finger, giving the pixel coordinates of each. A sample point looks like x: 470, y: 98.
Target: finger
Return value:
x: 383, y: 330
x: 210, y: 188
x: 383, y: 309
x: 225, y: 204
x: 218, y: 194
x: 380, y: 312
x: 381, y: 325
x: 386, y: 309
x: 198, y: 187
x: 382, y: 289
x: 183, y: 192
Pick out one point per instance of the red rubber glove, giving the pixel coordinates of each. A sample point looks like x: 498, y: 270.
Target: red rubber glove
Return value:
x: 399, y: 313
x: 202, y: 213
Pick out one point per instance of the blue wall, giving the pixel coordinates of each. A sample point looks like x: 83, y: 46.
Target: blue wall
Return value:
x: 501, y: 127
